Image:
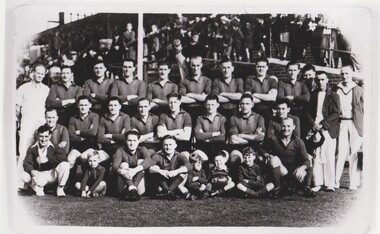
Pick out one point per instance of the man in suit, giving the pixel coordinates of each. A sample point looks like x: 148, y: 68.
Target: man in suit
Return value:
x: 323, y: 115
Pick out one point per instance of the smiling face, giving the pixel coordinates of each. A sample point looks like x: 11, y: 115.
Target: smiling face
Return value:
x: 114, y: 107
x: 43, y: 138
x: 220, y: 161
x: 248, y: 159
x: 132, y: 142
x: 227, y: 69
x: 283, y: 110
x: 287, y: 127
x: 128, y: 69
x: 261, y: 68
x: 55, y: 74
x: 84, y: 106
x: 51, y: 118
x: 169, y: 146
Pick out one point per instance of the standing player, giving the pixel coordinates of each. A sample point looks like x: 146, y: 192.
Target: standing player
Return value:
x: 177, y: 123
x: 351, y: 127
x: 129, y: 89
x: 63, y: 96
x: 228, y: 89
x: 195, y: 89
x: 263, y: 89
x: 98, y: 88
x: 30, y: 108
x: 158, y: 90
x: 323, y: 115
x: 308, y: 76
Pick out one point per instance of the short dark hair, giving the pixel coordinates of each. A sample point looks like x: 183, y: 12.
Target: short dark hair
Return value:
x: 132, y: 132
x: 321, y: 73
x: 350, y: 66
x: 97, y: 62
x: 38, y: 65
x: 170, y: 137
x: 308, y: 67
x: 175, y: 95
x: 143, y: 99
x: 114, y: 98
x: 83, y: 97
x: 50, y: 110
x: 246, y: 95
x: 265, y: 60
x: 212, y: 97
x: 248, y: 150
x: 226, y: 59
x: 163, y: 63
x: 282, y: 101
x: 292, y: 63
x: 130, y: 60
x: 67, y: 67
x: 43, y: 128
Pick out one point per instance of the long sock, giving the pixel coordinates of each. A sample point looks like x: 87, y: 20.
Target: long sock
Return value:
x: 277, y: 176
x: 251, y: 192
x: 176, y: 181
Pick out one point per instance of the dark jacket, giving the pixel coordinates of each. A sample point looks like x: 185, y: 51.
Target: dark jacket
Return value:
x: 330, y: 112
x: 55, y: 156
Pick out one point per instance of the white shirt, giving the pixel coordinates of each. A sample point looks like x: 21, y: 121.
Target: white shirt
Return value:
x: 31, y: 98
x: 345, y: 95
x: 321, y: 99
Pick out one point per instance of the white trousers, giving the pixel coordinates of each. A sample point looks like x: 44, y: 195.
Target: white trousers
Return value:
x: 324, y: 162
x: 349, y: 143
x: 27, y: 131
x: 59, y: 174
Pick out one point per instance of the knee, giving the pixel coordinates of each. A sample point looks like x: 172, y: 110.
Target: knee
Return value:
x: 78, y: 185
x: 64, y: 166
x: 102, y: 184
x: 124, y: 165
x: 26, y: 177
x: 240, y: 186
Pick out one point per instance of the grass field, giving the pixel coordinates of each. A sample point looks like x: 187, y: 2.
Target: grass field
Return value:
x: 325, y: 210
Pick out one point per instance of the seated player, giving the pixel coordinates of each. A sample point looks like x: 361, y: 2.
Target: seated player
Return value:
x: 63, y: 96
x: 219, y: 179
x: 129, y: 89
x: 98, y: 88
x: 228, y: 89
x: 59, y: 134
x: 129, y: 163
x: 177, y: 123
x: 282, y: 111
x: 251, y: 181
x: 92, y: 184
x: 112, y: 127
x: 210, y: 132
x: 290, y: 151
x: 83, y: 128
x: 45, y: 164
x: 197, y: 178
x: 170, y: 169
x: 159, y: 90
x: 247, y: 128
x: 146, y: 124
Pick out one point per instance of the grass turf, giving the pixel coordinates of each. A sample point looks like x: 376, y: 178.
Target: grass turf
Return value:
x: 325, y: 210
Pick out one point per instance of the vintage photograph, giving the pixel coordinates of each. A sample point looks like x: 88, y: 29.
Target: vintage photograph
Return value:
x: 186, y: 117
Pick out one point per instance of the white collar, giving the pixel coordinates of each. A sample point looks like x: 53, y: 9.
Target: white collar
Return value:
x: 38, y: 146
